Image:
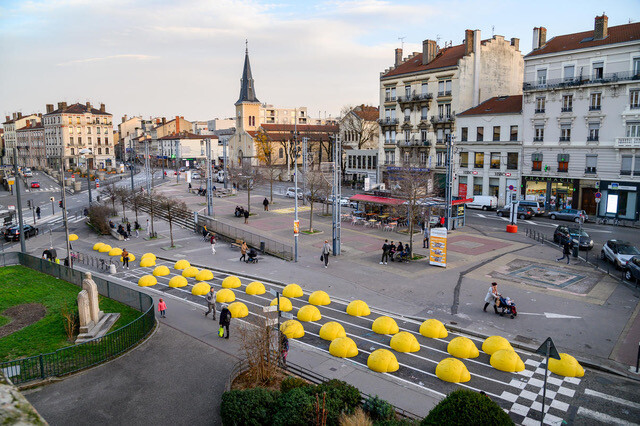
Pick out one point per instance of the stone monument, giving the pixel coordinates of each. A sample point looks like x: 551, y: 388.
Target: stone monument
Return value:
x: 93, y: 322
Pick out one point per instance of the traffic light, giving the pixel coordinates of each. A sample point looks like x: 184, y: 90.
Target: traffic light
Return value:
x: 60, y: 203
x: 29, y: 203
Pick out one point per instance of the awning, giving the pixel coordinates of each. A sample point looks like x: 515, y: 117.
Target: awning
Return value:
x: 462, y: 201
x: 363, y: 198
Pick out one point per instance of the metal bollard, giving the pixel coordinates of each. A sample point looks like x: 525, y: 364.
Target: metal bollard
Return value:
x: 638, y: 359
x: 542, y: 238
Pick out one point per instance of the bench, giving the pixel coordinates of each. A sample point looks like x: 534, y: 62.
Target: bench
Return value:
x: 114, y: 234
x: 237, y: 244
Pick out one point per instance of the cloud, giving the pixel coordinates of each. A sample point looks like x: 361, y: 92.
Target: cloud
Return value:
x: 108, y: 58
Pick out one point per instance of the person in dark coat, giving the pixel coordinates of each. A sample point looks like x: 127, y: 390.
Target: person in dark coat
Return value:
x: 385, y: 252
x: 225, y: 319
x: 246, y: 216
x: 38, y: 212
x: 566, y: 250
x: 265, y: 203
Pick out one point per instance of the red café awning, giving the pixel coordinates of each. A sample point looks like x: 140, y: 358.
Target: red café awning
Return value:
x: 377, y: 200
x: 463, y: 201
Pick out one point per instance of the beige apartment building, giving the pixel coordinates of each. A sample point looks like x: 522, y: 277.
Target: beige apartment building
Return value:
x: 420, y: 95
x: 69, y: 129
x: 30, y: 143
x: 11, y: 125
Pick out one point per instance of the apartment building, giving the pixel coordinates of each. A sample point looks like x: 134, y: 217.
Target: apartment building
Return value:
x: 581, y: 110
x: 360, y: 134
x: 30, y: 143
x: 488, y: 149
x: 10, y: 126
x: 70, y: 129
x: 185, y: 149
x: 420, y: 95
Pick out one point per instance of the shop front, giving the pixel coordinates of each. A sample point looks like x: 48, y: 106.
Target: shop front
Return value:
x: 557, y: 193
x: 619, y: 200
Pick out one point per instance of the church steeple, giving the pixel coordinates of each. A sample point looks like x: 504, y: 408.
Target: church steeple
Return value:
x: 247, y: 91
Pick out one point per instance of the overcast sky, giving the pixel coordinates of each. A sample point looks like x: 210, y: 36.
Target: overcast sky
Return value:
x: 184, y: 57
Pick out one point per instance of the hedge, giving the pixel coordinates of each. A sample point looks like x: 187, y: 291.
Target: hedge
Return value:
x: 467, y: 408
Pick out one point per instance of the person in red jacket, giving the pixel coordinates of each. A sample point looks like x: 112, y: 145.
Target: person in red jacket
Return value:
x: 162, y: 308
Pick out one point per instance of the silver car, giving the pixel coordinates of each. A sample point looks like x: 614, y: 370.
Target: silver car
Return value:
x: 570, y: 214
x: 618, y: 252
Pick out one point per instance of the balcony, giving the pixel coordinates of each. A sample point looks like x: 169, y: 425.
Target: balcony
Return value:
x: 388, y: 121
x: 415, y: 97
x: 567, y: 109
x: 590, y: 170
x: 594, y: 107
x: 539, y: 111
x: 538, y: 139
x: 389, y: 98
x: 565, y: 138
x: 627, y: 142
x: 625, y: 172
x: 581, y: 81
x: 443, y: 119
x: 593, y: 138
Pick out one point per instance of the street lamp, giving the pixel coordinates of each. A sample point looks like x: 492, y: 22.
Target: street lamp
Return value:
x: 82, y: 153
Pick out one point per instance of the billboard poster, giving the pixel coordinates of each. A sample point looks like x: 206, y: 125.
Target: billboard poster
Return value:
x: 462, y: 190
x: 438, y: 247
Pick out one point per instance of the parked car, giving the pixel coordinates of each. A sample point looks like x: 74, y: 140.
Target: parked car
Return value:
x: 484, y: 202
x: 13, y: 233
x: 346, y: 202
x: 563, y: 232
x: 291, y: 192
x: 570, y: 214
x: 523, y: 212
x: 633, y: 269
x: 536, y: 206
x: 195, y: 175
x: 618, y: 252
x: 35, y: 184
x: 28, y: 173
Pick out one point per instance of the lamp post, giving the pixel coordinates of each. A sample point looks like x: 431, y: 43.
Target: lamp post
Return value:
x: 64, y: 208
x: 131, y: 159
x: 82, y: 153
x: 295, y: 184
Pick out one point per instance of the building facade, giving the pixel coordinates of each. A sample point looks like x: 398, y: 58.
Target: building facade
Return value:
x: 360, y: 136
x: 581, y: 111
x: 10, y: 126
x: 186, y: 149
x: 488, y: 149
x: 30, y: 143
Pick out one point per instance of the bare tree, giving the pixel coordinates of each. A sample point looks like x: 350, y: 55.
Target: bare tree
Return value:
x: 360, y: 124
x: 122, y: 195
x: 317, y: 190
x: 110, y: 191
x: 261, y: 350
x: 246, y: 177
x: 136, y: 198
x: 265, y: 154
x: 172, y: 208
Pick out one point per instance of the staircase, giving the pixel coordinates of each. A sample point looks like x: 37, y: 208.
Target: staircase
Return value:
x: 180, y: 218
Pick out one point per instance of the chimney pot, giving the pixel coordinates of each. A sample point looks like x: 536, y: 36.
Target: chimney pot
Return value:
x: 601, y: 27
x: 89, y: 106
x: 49, y: 108
x: 64, y: 104
x: 7, y: 117
x: 15, y: 115
x: 515, y: 42
x: 102, y: 109
x: 398, y: 59
x: 19, y: 115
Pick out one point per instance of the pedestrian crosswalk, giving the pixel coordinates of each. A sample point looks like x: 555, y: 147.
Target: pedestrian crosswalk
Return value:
x: 53, y: 221
x: 48, y: 188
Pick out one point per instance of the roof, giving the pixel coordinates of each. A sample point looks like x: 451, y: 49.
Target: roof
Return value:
x: 583, y: 40
x: 377, y: 200
x: 35, y: 127
x: 186, y: 135
x: 77, y: 108
x: 247, y: 88
x: 447, y: 57
x: 313, y: 132
x: 12, y: 120
x: 497, y: 105
x: 366, y: 112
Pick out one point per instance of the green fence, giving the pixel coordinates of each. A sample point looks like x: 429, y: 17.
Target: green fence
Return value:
x: 73, y: 358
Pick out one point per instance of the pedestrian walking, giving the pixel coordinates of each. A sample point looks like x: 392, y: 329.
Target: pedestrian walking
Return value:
x: 129, y: 229
x: 326, y: 249
x: 225, y: 321
x: 265, y: 203
x: 492, y: 297
x: 162, y: 308
x: 425, y: 237
x: 204, y: 233
x: 211, y: 303
x: 243, y: 251
x: 38, y: 212
x: 246, y: 216
x: 284, y: 349
x: 125, y: 258
x: 566, y: 250
x: 148, y: 229
x: 213, y: 244
x: 385, y: 253
x: 138, y: 232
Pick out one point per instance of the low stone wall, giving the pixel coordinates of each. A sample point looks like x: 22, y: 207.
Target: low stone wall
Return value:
x: 14, y: 407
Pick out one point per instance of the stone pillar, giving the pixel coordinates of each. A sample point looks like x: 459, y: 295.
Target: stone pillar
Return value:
x: 90, y: 287
x: 84, y: 312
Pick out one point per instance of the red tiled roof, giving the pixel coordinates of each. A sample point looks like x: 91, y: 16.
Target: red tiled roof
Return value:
x: 497, y: 105
x: 582, y: 40
x: 367, y: 113
x: 447, y: 57
x: 35, y: 127
x: 78, y: 108
x: 16, y: 119
x: 186, y: 135
x: 377, y: 200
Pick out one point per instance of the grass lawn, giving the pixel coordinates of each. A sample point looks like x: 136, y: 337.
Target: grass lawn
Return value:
x: 19, y: 285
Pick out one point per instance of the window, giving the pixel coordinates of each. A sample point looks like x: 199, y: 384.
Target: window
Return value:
x: 281, y: 152
x: 594, y: 132
x: 447, y: 87
x: 407, y: 91
x: 406, y: 157
x: 440, y: 136
x: 625, y: 169
x: 563, y: 163
x: 447, y: 110
x: 440, y: 158
x: 441, y: 111
x: 423, y: 135
x: 494, y: 186
x: 393, y: 136
x: 89, y: 130
x: 495, y: 160
x: 568, y: 72
x: 565, y: 132
x: 389, y: 157
x: 636, y: 169
x: 598, y: 71
x: 512, y: 161
x: 99, y: 150
x: 513, y: 133
x: 477, y: 186
x: 441, y: 88
x: 425, y: 88
x: 71, y: 129
x: 423, y: 113
x: 72, y: 153
x: 407, y: 135
x: 464, y: 159
x: 98, y: 130
x: 634, y: 99
x: 479, y: 160
x: 542, y: 77
x: 99, y: 140
x: 633, y: 129
x: 79, y: 141
x: 567, y: 103
x: 70, y: 122
x: 407, y: 114
x: 423, y: 158
x: 77, y: 120
x: 464, y: 134
x: 480, y: 134
x: 592, y: 161
x: 387, y: 137
x: 594, y: 104
x: 496, y: 133
x: 540, y: 103
x: 387, y: 114
x: 636, y: 66
x: 536, y: 159
x: 107, y: 150
x: 89, y: 140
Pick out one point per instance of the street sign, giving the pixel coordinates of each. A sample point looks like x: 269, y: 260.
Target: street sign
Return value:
x: 614, y: 185
x: 553, y: 352
x: 511, y: 188
x: 52, y: 199
x: 273, y: 292
x: 11, y: 207
x: 269, y: 308
x: 548, y: 349
x: 598, y: 195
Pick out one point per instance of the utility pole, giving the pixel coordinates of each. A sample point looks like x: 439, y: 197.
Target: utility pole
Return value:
x: 224, y: 161
x: 147, y: 166
x: 209, y: 186
x: 337, y: 194
x: 304, y: 170
x: 64, y: 208
x: 16, y: 180
x: 295, y: 184
x: 449, y: 183
x: 177, y: 162
x: 131, y: 158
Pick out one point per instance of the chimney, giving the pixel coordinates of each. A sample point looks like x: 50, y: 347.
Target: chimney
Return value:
x: 15, y: 115
x: 515, y: 42
x: 64, y: 104
x: 164, y: 121
x: 89, y: 106
x: 102, y: 108
x: 19, y: 115
x: 177, y: 124
x: 59, y: 105
x: 398, y: 56
x: 543, y: 36
x: 7, y: 118
x: 429, y: 50
x: 601, y: 27
x: 536, y: 38
x: 49, y: 108
x: 468, y: 41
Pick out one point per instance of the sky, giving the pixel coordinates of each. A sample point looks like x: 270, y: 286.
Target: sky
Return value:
x: 184, y: 57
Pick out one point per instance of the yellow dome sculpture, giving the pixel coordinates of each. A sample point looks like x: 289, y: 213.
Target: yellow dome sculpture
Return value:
x: 147, y: 262
x: 132, y: 257
x: 190, y: 272
x: 255, y: 288
x: 404, y: 342
x: 319, y: 298
x: 231, y: 282
x: 225, y: 296
x: 332, y: 330
x: 292, y: 329
x: 567, y: 366
x: 204, y: 275
x: 73, y: 237
x: 105, y: 248
x: 147, y: 281
x: 358, y: 308
x: 161, y: 271
x: 238, y: 310
x: 97, y: 246
x: 292, y: 290
x: 151, y: 255
x: 506, y: 360
x: 495, y: 343
x: 453, y: 371
x: 115, y: 252
x: 434, y: 329
x: 200, y: 289
x: 309, y: 313
x: 462, y: 347
x: 385, y: 325
x: 181, y: 264
x: 285, y: 304
x: 343, y: 347
x: 383, y: 361
x: 178, y: 281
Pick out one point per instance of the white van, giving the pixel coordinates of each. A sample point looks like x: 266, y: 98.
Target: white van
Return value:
x: 484, y: 202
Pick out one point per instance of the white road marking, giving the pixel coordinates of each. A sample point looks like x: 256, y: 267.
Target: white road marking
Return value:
x: 612, y: 398
x: 601, y: 417
x: 549, y: 315
x: 480, y: 215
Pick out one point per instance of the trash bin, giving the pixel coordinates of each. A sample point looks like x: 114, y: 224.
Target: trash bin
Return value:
x: 262, y: 246
x: 575, y: 247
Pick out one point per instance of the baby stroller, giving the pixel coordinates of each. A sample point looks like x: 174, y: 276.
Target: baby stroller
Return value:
x: 252, y: 256
x: 507, y: 306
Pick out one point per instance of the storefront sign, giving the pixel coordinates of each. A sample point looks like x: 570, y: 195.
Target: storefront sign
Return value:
x: 548, y: 179
x: 438, y: 247
x: 462, y: 190
x: 502, y: 174
x: 621, y: 187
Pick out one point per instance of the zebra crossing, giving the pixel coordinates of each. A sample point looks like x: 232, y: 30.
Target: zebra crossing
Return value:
x: 53, y: 221
x: 48, y: 188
